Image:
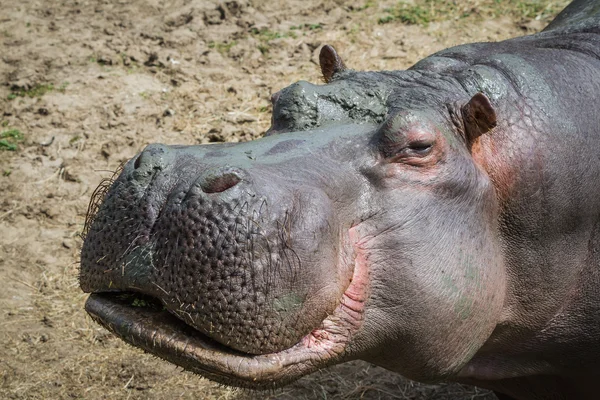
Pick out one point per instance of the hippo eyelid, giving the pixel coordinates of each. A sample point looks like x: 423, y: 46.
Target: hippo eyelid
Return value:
x: 421, y: 152
x: 416, y: 153
x: 421, y: 146
x: 415, y: 150
x: 402, y: 147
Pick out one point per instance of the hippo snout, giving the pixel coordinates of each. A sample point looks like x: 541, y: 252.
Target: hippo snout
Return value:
x: 218, y: 247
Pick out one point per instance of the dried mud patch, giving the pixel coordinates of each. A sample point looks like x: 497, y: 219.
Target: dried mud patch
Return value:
x: 85, y: 85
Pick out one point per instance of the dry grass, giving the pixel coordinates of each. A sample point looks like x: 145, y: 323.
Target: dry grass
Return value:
x: 427, y: 11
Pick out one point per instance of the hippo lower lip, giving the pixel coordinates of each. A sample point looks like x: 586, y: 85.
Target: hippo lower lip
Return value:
x: 143, y: 322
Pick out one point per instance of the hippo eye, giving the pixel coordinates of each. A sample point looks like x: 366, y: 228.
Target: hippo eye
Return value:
x: 416, y: 149
x: 421, y: 148
x: 406, y: 138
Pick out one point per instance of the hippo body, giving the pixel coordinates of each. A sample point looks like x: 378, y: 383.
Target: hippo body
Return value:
x: 442, y: 222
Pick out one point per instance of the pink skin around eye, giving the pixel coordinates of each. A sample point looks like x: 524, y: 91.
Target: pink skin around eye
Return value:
x: 418, y: 133
x: 421, y: 133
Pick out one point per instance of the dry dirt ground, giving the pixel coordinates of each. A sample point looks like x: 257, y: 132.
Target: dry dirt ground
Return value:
x: 85, y: 85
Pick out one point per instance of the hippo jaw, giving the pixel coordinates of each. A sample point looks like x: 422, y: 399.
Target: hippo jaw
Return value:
x: 149, y: 326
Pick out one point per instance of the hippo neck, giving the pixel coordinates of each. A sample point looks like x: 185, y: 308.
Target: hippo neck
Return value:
x: 549, y: 220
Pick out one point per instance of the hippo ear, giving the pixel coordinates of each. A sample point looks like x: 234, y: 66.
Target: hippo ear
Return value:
x: 331, y: 62
x: 479, y: 117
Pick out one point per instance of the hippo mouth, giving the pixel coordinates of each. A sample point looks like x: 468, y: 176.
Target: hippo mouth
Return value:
x: 144, y: 322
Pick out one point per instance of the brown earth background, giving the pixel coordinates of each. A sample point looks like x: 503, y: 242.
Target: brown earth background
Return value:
x: 85, y: 85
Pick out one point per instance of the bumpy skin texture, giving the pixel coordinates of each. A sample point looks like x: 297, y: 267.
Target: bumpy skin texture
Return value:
x: 442, y: 222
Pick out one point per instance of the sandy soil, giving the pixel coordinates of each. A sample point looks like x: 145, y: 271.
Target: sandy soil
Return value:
x: 85, y: 85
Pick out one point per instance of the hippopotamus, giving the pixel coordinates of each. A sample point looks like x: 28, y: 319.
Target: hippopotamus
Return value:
x: 442, y: 222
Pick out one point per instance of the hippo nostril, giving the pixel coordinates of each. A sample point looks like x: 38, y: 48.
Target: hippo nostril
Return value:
x: 220, y: 183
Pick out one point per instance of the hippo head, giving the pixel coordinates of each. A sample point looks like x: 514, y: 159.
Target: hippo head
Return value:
x: 360, y: 226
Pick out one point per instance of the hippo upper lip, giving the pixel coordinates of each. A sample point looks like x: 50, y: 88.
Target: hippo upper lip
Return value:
x: 164, y: 335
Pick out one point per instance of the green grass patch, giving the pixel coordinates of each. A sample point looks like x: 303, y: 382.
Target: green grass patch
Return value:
x: 314, y: 27
x: 222, y: 47
x: 36, y: 91
x: 368, y: 4
x: 74, y: 139
x: 426, y: 11
x: 9, y: 139
x: 265, y: 36
x: 63, y: 87
x: 310, y: 27
x: 263, y: 48
x: 12, y: 133
x: 542, y: 10
x: 6, y: 145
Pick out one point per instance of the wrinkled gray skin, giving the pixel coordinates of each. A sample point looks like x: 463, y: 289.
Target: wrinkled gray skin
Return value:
x: 396, y: 217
